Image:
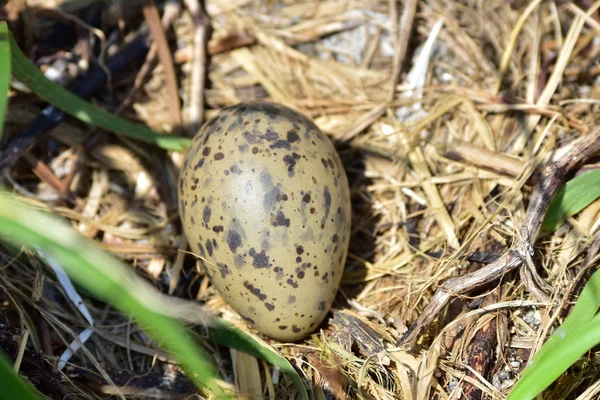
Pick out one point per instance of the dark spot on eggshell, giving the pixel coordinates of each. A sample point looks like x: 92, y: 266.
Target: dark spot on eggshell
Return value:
x: 271, y: 136
x: 290, y: 162
x: 266, y: 179
x: 234, y: 240
x: 249, y: 137
x: 224, y: 269
x: 292, y: 137
x: 199, y: 164
x: 281, y: 144
x: 292, y: 283
x: 280, y: 220
x: 271, y: 197
x: 262, y: 192
x: 201, y: 249
x: 255, y: 291
x: 206, y: 214
x: 326, y: 205
x: 239, y: 261
x: 261, y: 260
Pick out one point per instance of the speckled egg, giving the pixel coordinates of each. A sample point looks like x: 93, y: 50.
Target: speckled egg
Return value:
x: 264, y: 202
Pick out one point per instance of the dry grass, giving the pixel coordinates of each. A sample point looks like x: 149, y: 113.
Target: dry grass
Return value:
x: 440, y: 180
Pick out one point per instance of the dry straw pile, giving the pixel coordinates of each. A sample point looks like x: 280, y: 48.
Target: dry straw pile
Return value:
x: 444, y: 113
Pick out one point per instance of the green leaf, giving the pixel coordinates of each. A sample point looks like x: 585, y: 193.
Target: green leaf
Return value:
x: 109, y: 280
x: 61, y: 98
x: 586, y: 307
x: 564, y: 349
x: 4, y: 72
x: 573, y: 197
x: 581, y: 329
x: 579, y: 332
x: 12, y: 386
x: 226, y: 334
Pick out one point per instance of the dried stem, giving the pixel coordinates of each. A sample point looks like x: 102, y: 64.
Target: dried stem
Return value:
x: 554, y: 175
x: 172, y: 10
x: 198, y: 64
x: 164, y: 55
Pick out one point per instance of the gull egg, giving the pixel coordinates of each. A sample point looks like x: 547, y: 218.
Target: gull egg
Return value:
x: 264, y: 202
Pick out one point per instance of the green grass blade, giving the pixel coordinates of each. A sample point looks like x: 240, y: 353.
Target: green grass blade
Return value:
x: 12, y: 386
x: 573, y: 197
x: 565, y: 349
x: 61, y: 98
x: 108, y: 279
x: 226, y: 334
x: 585, y: 309
x: 587, y: 305
x: 4, y: 73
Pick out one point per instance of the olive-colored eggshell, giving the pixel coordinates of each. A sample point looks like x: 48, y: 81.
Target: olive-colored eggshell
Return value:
x: 264, y: 200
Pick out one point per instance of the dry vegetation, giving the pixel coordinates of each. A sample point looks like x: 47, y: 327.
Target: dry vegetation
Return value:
x: 440, y: 178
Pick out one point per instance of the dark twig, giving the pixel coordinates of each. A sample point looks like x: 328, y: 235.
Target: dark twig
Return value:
x: 86, y: 87
x: 172, y: 10
x: 231, y: 41
x: 42, y: 171
x: 405, y: 27
x: 157, y: 30
x: 481, y: 350
x: 554, y: 175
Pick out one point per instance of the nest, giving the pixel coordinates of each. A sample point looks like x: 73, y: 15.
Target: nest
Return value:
x: 444, y: 114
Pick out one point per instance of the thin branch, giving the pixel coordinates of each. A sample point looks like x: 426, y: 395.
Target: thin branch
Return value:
x: 159, y: 37
x: 171, y: 12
